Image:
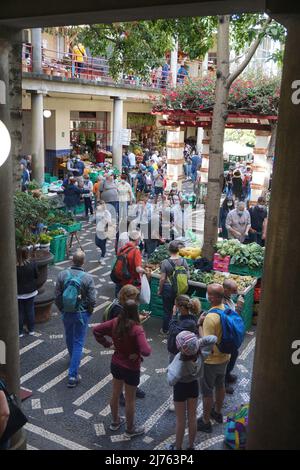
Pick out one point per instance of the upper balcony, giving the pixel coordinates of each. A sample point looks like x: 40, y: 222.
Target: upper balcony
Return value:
x: 93, y: 70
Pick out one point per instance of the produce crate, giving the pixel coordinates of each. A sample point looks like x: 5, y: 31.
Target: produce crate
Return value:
x: 93, y: 177
x: 221, y: 264
x: 53, y: 179
x: 79, y: 209
x: 156, y: 304
x: 58, y: 247
x: 54, y: 226
x: 73, y: 228
x: 47, y: 177
x: 245, y: 271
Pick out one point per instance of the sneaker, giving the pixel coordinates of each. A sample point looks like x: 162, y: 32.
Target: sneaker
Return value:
x: 218, y: 417
x: 204, y: 427
x: 31, y: 333
x: 170, y: 447
x: 73, y: 381
x: 140, y: 393
x: 231, y: 378
x: 21, y: 335
x: 136, y: 431
x: 171, y: 407
x: 122, y: 400
x: 161, y: 332
x: 101, y: 262
x: 229, y: 390
x: 116, y: 426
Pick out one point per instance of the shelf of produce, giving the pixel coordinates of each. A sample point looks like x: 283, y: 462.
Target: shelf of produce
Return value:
x: 245, y: 271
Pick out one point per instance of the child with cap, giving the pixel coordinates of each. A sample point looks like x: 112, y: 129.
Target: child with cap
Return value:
x: 183, y: 375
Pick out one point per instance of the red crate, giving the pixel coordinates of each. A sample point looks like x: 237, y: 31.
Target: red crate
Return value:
x: 221, y: 264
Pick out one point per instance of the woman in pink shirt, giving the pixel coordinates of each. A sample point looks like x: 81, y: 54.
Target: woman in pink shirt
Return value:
x: 130, y: 345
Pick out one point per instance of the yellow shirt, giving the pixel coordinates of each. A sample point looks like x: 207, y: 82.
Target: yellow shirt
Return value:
x: 212, y: 326
x: 79, y: 53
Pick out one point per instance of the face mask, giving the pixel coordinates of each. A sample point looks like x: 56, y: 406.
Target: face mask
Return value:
x: 207, y: 296
x: 230, y: 204
x: 240, y: 213
x: 260, y: 206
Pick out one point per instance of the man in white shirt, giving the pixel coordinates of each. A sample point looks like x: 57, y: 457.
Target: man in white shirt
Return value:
x: 132, y: 159
x: 126, y: 197
x: 238, y: 222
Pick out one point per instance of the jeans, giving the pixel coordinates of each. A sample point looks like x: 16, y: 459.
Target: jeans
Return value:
x: 76, y: 325
x: 123, y: 210
x: 88, y: 206
x: 101, y: 243
x: 256, y: 238
x: 26, y: 314
x: 231, y: 363
x: 188, y: 170
x: 168, y: 298
x: 194, y: 175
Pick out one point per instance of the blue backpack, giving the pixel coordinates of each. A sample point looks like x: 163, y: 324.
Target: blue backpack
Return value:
x: 71, y: 295
x: 233, y: 330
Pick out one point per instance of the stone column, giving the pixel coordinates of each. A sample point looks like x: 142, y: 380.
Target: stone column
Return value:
x: 205, y: 65
x: 174, y: 63
x: 117, y: 132
x: 274, y: 420
x: 36, y: 40
x: 38, y: 144
x: 175, y: 160
x: 260, y: 167
x: 199, y: 145
x: 10, y: 115
x: 205, y: 156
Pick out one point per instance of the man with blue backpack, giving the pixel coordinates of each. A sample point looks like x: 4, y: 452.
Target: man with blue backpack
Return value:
x: 228, y: 327
x: 75, y: 297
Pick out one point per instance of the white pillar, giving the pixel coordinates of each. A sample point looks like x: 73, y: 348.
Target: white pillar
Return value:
x: 175, y: 160
x: 205, y: 156
x: 38, y: 150
x: 205, y: 65
x: 174, y: 63
x: 36, y: 35
x: 199, y: 144
x: 260, y: 167
x: 117, y: 130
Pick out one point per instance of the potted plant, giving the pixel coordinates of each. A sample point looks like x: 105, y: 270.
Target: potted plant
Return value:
x: 45, y: 240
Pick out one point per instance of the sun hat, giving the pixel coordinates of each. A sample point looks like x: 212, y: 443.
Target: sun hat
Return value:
x: 187, y: 343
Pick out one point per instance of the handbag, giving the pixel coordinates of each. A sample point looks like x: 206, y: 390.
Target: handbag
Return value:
x: 16, y: 419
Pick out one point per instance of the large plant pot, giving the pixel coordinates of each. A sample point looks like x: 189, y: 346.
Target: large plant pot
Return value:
x: 42, y: 259
x: 43, y: 303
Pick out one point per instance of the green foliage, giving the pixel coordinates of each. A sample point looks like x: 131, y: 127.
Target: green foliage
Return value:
x: 45, y: 239
x: 140, y: 120
x: 251, y: 255
x: 241, y: 136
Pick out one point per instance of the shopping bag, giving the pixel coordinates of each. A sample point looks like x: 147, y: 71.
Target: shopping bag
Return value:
x: 145, y: 295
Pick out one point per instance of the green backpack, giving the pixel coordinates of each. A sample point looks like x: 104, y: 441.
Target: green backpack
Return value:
x: 179, y: 278
x: 107, y: 311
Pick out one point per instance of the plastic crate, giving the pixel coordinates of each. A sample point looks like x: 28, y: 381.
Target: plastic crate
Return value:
x: 53, y: 179
x: 58, y: 247
x: 79, y: 209
x: 221, y: 264
x: 245, y: 271
x: 54, y: 226
x: 156, y: 304
x: 93, y: 177
x: 73, y: 228
x: 47, y: 177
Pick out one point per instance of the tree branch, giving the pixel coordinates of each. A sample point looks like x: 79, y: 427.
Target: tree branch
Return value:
x: 103, y: 36
x: 251, y: 52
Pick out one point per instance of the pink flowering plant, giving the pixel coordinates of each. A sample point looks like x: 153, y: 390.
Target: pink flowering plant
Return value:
x: 246, y: 96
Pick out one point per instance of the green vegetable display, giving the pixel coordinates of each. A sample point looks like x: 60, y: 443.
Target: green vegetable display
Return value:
x: 251, y: 255
x: 216, y: 277
x: 161, y: 253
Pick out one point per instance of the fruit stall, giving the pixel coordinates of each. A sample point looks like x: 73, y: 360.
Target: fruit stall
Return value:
x: 243, y: 264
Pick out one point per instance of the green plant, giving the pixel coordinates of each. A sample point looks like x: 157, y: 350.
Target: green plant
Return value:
x: 45, y: 239
x: 33, y: 185
x: 56, y: 233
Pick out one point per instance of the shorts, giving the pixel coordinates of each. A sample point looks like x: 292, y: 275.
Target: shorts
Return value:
x: 184, y: 391
x: 158, y: 191
x: 213, y: 377
x: 130, y: 377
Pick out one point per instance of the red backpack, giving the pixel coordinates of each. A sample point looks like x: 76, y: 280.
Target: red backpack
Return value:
x: 120, y: 271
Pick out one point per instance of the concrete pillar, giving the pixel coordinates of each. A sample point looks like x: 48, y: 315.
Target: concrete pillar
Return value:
x: 260, y: 167
x: 10, y: 115
x: 117, y: 132
x: 36, y: 40
x: 274, y: 420
x: 205, y: 65
x: 174, y: 63
x: 199, y: 144
x: 175, y: 160
x: 38, y: 145
x: 205, y: 156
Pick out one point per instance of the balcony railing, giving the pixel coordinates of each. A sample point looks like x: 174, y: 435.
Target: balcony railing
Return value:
x: 59, y: 64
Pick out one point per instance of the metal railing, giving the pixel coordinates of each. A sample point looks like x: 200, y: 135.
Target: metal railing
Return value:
x: 60, y: 64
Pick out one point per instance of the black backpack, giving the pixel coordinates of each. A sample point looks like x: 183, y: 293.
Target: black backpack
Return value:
x: 175, y: 329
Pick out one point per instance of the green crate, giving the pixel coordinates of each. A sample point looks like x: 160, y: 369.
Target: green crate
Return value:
x: 245, y: 271
x: 54, y: 226
x: 93, y: 177
x: 58, y: 247
x: 73, y: 228
x: 79, y: 209
x: 156, y: 304
x: 47, y: 177
x: 53, y: 179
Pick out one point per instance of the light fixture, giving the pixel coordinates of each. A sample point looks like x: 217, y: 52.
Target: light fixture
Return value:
x: 47, y: 113
x: 5, y: 143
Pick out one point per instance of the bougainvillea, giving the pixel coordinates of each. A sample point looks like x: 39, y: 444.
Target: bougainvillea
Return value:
x: 247, y: 96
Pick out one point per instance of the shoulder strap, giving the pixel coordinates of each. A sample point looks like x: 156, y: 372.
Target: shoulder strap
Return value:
x: 216, y: 310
